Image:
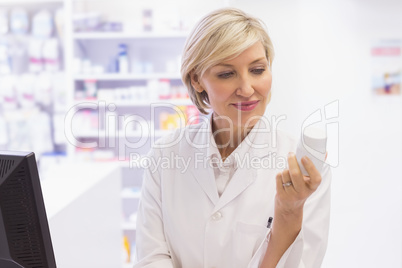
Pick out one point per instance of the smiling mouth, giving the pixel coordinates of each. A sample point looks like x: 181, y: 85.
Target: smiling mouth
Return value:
x: 246, y: 105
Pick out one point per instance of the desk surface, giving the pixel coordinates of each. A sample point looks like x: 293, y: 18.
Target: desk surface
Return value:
x: 62, y: 184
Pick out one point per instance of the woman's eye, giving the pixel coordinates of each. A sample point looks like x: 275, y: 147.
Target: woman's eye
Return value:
x: 258, y: 71
x: 225, y: 75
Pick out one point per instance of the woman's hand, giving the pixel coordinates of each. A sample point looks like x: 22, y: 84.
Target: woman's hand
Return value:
x: 292, y: 191
x: 293, y: 188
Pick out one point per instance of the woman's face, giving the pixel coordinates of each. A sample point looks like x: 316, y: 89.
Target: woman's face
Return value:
x: 239, y: 88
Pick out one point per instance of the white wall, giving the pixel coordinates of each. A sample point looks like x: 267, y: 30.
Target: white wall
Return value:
x: 323, y: 54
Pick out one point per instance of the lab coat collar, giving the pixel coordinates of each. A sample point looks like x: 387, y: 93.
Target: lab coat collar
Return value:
x: 263, y: 145
x: 262, y: 138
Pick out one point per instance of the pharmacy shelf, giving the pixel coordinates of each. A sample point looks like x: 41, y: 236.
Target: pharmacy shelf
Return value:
x: 129, y: 226
x: 19, y: 2
x: 134, y: 103
x: 126, y: 77
x: 154, y: 47
x: 128, y: 35
x: 121, y: 134
x: 129, y: 194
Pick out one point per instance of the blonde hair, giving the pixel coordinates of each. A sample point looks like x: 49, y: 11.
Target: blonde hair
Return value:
x: 221, y: 35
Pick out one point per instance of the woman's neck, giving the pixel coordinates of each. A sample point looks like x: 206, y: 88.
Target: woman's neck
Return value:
x: 227, y: 135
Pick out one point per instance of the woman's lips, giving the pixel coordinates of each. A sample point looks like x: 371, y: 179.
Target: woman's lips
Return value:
x: 246, y: 105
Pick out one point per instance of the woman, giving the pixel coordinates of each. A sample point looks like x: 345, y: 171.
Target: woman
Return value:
x: 209, y: 206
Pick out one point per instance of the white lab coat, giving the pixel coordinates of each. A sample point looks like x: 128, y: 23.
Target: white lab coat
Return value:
x: 182, y: 222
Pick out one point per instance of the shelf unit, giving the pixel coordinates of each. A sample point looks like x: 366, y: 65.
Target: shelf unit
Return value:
x: 144, y: 49
x: 177, y: 102
x: 125, y: 77
x: 127, y: 193
x: 95, y: 134
x: 149, y: 42
x: 35, y: 113
x: 37, y: 2
x: 128, y: 35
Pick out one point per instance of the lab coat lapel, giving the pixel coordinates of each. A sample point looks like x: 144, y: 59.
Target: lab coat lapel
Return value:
x: 203, y: 172
x: 206, y: 179
x: 241, y: 179
x: 246, y: 174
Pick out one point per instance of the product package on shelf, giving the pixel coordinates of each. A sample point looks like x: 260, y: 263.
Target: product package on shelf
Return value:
x: 179, y: 118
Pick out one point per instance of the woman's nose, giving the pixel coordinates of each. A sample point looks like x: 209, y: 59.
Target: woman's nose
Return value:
x: 244, y: 87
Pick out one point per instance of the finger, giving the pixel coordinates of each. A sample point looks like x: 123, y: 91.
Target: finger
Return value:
x: 279, y: 186
x: 295, y: 173
x: 286, y: 179
x: 326, y: 154
x: 315, y: 176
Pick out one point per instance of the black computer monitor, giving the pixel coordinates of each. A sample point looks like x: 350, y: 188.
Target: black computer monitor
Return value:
x: 24, y: 231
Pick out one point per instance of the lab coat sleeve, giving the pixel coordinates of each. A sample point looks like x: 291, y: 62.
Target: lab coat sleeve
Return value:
x: 151, y: 248
x: 308, y: 249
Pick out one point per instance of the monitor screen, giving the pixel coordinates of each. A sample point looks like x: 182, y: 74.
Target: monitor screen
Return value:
x: 24, y: 231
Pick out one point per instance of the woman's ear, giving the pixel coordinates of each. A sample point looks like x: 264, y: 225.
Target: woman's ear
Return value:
x: 195, y: 82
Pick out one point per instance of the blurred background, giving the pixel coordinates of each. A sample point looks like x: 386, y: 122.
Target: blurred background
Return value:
x: 77, y: 79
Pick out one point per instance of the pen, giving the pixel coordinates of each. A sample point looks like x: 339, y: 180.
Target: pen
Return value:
x: 270, y: 222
